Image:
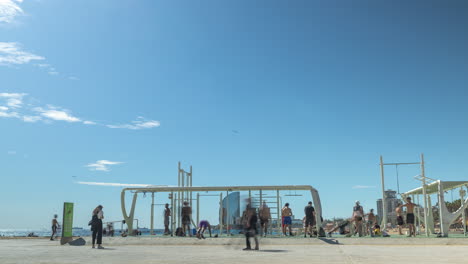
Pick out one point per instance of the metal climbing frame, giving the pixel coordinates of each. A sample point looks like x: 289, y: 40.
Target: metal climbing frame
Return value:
x: 188, y: 190
x: 423, y: 178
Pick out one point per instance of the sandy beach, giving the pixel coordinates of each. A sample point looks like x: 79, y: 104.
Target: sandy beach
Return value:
x: 229, y: 250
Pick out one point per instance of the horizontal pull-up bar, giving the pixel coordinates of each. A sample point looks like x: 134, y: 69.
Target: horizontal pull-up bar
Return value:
x: 403, y: 163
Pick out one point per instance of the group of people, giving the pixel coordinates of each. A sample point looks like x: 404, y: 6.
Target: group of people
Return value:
x: 366, y: 224
x: 362, y: 223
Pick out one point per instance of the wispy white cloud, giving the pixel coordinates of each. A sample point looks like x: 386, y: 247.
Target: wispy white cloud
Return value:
x: 13, y: 100
x: 102, y: 165
x: 9, y: 9
x: 9, y: 114
x: 73, y: 78
x: 363, y: 187
x: 57, y: 114
x: 118, y: 184
x: 12, y: 106
x: 11, y: 53
x: 140, y: 123
x: 31, y: 119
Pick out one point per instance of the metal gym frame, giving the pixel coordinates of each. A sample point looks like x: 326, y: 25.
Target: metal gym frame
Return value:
x: 423, y: 180
x: 185, y: 195
x: 446, y: 218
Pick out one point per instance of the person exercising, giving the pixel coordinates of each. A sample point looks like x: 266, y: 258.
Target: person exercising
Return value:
x: 358, y: 214
x: 202, y: 226
x: 410, y: 216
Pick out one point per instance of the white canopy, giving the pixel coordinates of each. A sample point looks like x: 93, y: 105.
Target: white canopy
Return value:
x: 433, y: 187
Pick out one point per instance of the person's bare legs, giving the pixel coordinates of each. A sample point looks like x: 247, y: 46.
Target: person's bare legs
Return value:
x: 412, y: 230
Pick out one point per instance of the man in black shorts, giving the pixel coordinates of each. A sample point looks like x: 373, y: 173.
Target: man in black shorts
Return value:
x: 309, y: 212
x: 410, y: 216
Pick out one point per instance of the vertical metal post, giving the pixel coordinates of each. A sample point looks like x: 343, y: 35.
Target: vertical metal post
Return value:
x: 172, y: 213
x: 182, y: 172
x: 384, y: 200
x: 418, y: 209
x: 423, y: 175
x: 278, y: 215
x: 261, y: 199
x: 152, y: 214
x: 191, y: 186
x: 228, y: 218
x: 198, y: 208
x: 221, y: 207
x: 178, y: 202
x: 462, y: 200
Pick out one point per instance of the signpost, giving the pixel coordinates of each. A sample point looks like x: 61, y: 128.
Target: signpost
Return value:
x: 67, y: 225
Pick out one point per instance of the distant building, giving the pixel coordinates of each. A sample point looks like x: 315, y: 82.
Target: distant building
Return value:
x: 391, y: 204
x: 231, y: 209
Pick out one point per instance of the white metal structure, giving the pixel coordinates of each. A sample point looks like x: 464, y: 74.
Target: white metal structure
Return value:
x: 423, y: 178
x: 188, y: 190
x: 440, y: 187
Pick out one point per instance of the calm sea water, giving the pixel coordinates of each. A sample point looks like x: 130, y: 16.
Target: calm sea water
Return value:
x: 78, y: 232
x: 47, y: 233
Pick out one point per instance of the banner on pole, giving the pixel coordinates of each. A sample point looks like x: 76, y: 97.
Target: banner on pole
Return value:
x: 67, y: 225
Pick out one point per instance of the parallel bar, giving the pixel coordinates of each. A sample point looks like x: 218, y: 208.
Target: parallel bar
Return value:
x: 220, y: 188
x: 402, y: 163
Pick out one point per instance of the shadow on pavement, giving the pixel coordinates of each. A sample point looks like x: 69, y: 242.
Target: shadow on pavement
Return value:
x: 329, y: 241
x: 273, y: 250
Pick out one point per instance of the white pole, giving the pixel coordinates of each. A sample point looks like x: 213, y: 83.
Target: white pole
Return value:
x: 191, y: 186
x: 221, y: 207
x: 278, y: 214
x: 228, y: 217
x: 172, y: 213
x: 426, y: 210
x: 198, y: 208
x: 462, y: 200
x: 384, y: 201
x: 152, y: 214
x: 179, y: 181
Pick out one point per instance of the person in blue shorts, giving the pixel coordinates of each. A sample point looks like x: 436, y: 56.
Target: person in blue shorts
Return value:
x: 286, y: 213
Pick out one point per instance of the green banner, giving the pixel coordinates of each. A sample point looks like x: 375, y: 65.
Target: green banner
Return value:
x: 67, y: 226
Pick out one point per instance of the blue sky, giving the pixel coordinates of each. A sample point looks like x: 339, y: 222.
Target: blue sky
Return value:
x: 248, y: 92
